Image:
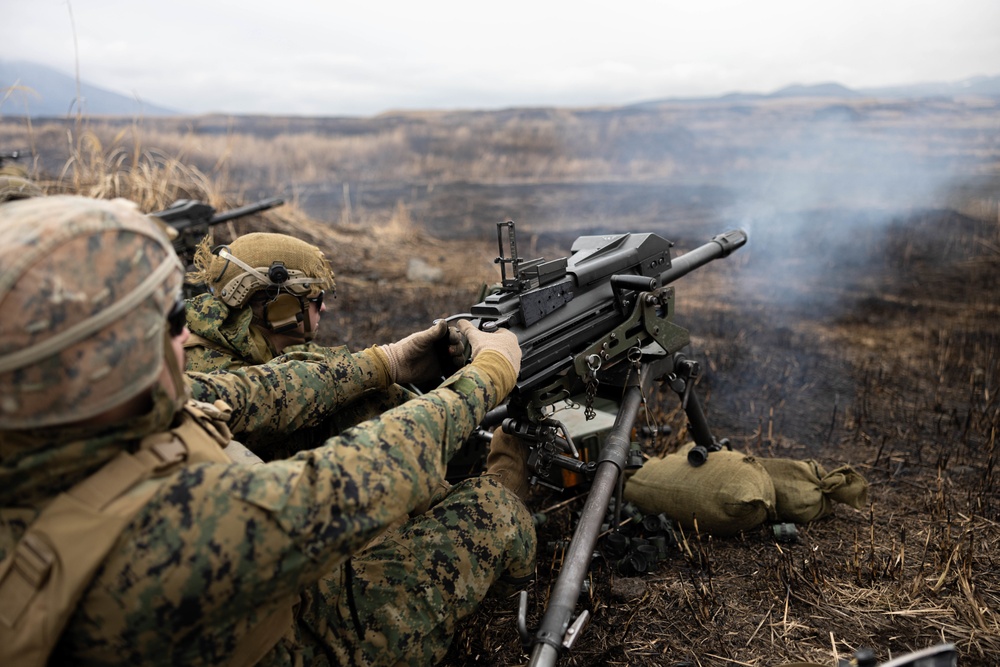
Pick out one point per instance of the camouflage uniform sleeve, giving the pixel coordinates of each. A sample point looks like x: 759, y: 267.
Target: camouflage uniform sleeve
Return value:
x: 361, y: 372
x: 384, y: 468
x: 294, y: 390
x: 219, y: 538
x: 204, y: 359
x: 375, y: 473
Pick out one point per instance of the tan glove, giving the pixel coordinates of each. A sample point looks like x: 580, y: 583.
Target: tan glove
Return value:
x: 497, y: 354
x: 413, y: 359
x: 459, y: 349
x: 507, y: 460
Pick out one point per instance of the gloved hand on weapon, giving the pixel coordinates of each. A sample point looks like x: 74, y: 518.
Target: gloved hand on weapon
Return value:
x: 508, y: 455
x: 427, y: 355
x: 497, y: 353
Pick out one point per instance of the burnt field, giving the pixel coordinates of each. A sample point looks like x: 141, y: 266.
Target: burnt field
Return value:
x: 859, y: 326
x: 860, y: 339
x: 893, y: 371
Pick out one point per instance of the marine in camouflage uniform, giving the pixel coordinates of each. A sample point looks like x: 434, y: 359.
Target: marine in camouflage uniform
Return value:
x: 267, y: 296
x: 219, y: 562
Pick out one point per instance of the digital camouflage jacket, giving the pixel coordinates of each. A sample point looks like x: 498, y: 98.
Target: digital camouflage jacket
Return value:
x: 224, y: 340
x: 220, y: 546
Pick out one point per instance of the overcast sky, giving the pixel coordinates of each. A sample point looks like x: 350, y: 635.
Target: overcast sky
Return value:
x: 363, y: 57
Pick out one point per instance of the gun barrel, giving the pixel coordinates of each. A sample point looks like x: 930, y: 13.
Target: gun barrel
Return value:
x: 721, y: 245
x: 249, y: 209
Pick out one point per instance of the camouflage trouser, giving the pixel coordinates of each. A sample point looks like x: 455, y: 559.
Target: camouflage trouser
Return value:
x: 413, y: 585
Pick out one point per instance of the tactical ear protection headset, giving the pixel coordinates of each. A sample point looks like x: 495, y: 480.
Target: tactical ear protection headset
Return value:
x: 288, y: 291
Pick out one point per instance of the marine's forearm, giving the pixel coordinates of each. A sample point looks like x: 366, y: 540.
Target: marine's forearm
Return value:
x: 287, y: 393
x: 379, y: 471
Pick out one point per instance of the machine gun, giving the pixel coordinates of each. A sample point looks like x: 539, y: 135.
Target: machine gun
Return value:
x: 191, y: 219
x: 598, y: 320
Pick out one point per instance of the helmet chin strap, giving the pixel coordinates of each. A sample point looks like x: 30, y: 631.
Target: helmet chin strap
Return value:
x: 306, y: 334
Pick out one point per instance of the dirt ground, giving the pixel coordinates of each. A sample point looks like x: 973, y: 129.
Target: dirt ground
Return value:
x: 881, y: 352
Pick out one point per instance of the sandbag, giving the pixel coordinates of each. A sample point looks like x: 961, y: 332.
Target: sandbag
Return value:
x: 731, y: 492
x: 805, y: 491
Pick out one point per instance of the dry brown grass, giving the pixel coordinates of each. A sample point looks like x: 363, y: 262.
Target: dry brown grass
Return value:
x: 665, y: 143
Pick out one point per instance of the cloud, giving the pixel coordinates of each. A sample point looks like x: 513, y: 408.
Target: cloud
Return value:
x: 308, y: 56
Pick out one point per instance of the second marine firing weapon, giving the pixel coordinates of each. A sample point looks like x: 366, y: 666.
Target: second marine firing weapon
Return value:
x: 192, y: 219
x: 595, y: 324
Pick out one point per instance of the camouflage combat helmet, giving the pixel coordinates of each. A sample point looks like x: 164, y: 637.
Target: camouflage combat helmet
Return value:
x: 85, y: 288
x: 280, y: 273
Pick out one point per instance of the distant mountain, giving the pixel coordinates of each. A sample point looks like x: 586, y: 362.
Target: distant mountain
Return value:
x: 985, y: 86
x: 817, y: 90
x: 35, y: 90
x: 39, y: 91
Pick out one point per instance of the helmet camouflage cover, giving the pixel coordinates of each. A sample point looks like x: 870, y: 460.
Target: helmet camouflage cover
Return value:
x: 85, y: 287
x: 245, y: 267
